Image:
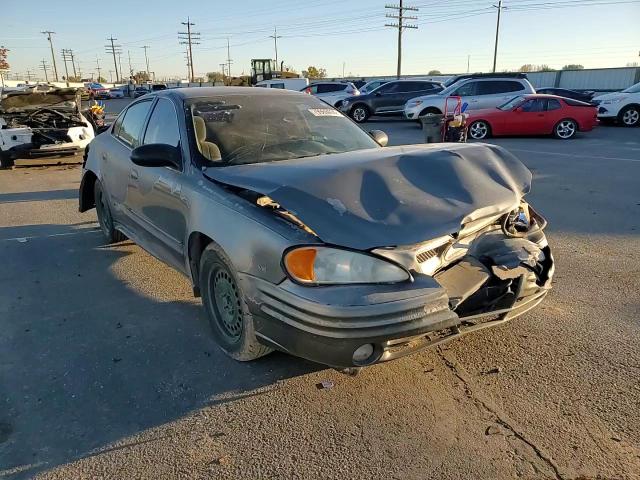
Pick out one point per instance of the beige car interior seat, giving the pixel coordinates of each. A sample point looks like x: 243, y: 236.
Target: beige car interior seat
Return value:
x: 208, y: 149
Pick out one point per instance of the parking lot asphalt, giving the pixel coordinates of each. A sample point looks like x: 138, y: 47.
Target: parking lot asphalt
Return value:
x: 108, y: 370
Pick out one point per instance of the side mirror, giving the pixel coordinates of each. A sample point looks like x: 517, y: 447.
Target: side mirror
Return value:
x: 156, y: 155
x: 380, y: 137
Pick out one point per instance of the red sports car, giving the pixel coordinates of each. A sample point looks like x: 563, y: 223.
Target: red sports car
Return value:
x: 533, y: 115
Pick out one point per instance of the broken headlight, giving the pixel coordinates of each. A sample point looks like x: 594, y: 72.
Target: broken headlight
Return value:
x: 317, y: 265
x: 517, y: 222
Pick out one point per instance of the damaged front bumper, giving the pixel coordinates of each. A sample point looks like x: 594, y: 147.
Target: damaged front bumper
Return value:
x: 498, y: 279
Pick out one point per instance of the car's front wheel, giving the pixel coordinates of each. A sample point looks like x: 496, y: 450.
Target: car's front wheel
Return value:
x: 630, y: 116
x: 479, y: 130
x: 105, y: 219
x: 224, y: 302
x: 565, y: 129
x: 360, y: 113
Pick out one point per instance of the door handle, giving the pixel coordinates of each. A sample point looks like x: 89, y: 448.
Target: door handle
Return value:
x: 134, y: 174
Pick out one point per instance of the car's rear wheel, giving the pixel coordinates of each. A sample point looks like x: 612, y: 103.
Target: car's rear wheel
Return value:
x: 360, y: 113
x: 105, y: 219
x: 565, y: 129
x: 630, y: 116
x: 479, y: 130
x: 224, y: 302
x: 5, y: 160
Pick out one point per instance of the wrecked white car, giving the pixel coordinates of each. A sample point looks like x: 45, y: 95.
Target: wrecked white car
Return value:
x: 34, y: 124
x: 303, y: 234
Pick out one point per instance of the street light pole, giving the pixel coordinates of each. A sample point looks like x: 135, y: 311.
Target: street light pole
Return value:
x: 495, y: 51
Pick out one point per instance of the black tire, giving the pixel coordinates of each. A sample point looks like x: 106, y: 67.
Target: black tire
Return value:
x: 227, y: 310
x: 105, y: 219
x: 629, y: 116
x: 565, y: 129
x: 6, y: 161
x: 479, y: 130
x: 360, y: 113
x: 432, y: 110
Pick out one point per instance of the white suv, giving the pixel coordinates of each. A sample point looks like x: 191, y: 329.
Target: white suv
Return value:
x: 332, y: 92
x: 477, y: 91
x: 623, y: 106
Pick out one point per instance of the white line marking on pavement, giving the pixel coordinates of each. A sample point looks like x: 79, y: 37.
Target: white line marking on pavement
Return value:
x: 575, y: 155
x: 25, y: 239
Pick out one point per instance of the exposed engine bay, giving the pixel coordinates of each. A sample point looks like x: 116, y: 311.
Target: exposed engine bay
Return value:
x: 42, y: 123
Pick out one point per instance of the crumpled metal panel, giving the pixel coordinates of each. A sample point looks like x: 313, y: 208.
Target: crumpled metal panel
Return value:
x: 389, y: 196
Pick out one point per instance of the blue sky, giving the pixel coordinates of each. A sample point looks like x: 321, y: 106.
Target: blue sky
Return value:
x: 325, y: 33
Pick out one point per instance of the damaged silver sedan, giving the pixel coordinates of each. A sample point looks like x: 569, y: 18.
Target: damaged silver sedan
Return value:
x: 303, y: 234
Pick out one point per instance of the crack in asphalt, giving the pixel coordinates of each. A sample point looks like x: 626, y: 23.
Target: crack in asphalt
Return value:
x: 500, y: 417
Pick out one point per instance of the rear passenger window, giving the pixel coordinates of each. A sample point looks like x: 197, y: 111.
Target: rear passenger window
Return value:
x: 131, y: 128
x: 553, y: 104
x: 494, y: 87
x: 277, y: 85
x: 331, y: 87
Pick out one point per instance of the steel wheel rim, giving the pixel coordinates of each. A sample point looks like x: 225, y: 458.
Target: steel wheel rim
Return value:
x: 566, y: 129
x: 104, y: 214
x: 479, y: 130
x: 359, y: 114
x: 226, y: 304
x: 631, y: 116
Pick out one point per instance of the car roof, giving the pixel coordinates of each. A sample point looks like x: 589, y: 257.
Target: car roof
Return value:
x: 199, y: 92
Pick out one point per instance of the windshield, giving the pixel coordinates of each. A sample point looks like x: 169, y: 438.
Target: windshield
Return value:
x: 513, y: 103
x: 632, y: 89
x: 266, y: 128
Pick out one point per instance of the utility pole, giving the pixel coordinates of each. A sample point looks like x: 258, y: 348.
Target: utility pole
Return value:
x: 229, y: 62
x: 110, y: 76
x: 29, y: 75
x: 67, y: 54
x: 120, y: 65
x: 343, y: 65
x: 468, y: 62
x: 400, y: 25
x: 495, y: 51
x: 224, y: 79
x: 113, y: 49
x: 275, y: 37
x: 186, y: 57
x: 48, y: 33
x: 65, y: 57
x: 146, y: 58
x: 44, y: 68
x: 130, y: 67
x: 189, y: 38
x: 99, y: 69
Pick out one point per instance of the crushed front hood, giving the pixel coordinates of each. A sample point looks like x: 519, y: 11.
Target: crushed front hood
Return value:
x: 18, y: 101
x: 390, y: 196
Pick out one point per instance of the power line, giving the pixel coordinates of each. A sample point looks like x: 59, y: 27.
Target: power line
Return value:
x: 48, y: 33
x: 400, y: 25
x: 189, y: 38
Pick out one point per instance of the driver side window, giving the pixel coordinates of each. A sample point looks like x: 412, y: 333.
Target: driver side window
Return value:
x: 466, y: 90
x: 163, y: 125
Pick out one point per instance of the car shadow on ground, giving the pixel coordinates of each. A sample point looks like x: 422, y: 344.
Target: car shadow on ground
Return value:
x: 83, y: 379
x: 17, y: 197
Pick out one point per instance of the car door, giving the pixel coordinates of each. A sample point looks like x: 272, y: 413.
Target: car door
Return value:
x: 408, y: 90
x: 554, y: 112
x: 385, y: 98
x: 331, y: 92
x: 528, y: 119
x: 468, y: 92
x: 155, y: 193
x: 115, y: 160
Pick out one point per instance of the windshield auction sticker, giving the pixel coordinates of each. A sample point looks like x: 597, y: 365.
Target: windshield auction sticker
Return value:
x: 324, y: 112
